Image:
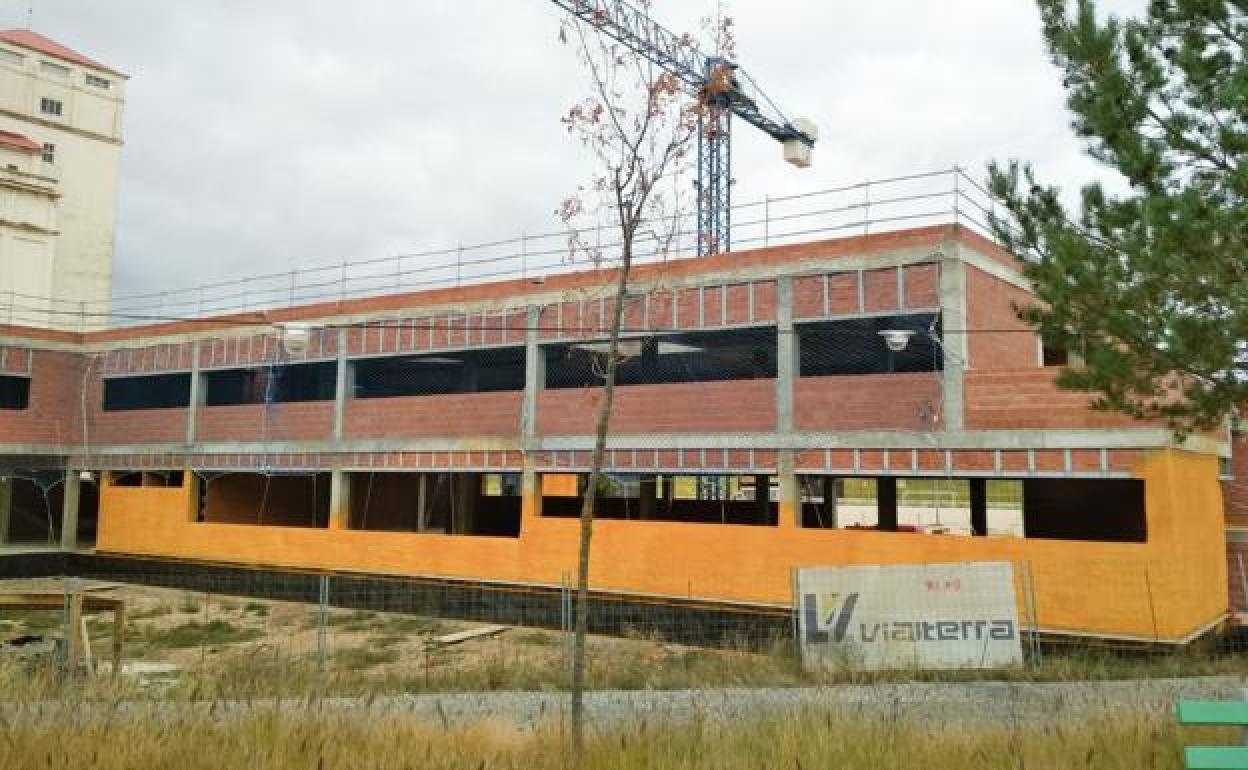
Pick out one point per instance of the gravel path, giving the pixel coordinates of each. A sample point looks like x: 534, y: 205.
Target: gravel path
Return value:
x: 933, y: 705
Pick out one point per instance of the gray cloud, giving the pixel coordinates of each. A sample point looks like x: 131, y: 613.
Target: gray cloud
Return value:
x: 295, y: 133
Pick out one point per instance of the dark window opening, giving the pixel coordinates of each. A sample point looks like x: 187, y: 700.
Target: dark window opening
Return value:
x: 289, y: 383
x: 34, y: 512
x: 703, y: 499
x: 468, y: 504
x: 162, y: 479
x: 470, y: 371
x: 1054, y: 355
x: 14, y: 393
x: 857, y: 346
x: 119, y: 479
x: 160, y: 391
x: 741, y: 354
x: 295, y: 500
x: 1106, y: 510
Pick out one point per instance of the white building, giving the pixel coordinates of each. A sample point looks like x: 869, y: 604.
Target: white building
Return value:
x: 60, y: 156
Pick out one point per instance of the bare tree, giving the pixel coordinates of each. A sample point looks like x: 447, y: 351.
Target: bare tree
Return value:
x: 640, y: 128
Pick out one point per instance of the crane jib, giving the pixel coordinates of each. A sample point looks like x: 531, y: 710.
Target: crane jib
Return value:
x: 680, y: 56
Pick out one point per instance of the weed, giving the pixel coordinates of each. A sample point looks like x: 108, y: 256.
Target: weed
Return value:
x: 359, y: 658
x: 256, y: 608
x: 214, y: 633
x: 155, y: 611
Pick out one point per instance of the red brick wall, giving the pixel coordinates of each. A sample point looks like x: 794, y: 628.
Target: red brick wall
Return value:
x: 152, y: 426
x: 1028, y: 398
x: 867, y: 402
x: 476, y: 414
x: 705, y: 407
x: 1235, y: 491
x: 55, y: 396
x: 283, y: 422
x: 998, y: 339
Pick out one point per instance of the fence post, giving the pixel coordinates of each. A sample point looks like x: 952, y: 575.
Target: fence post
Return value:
x: 294, y: 280
x: 524, y: 255
x: 398, y: 273
x: 459, y: 264
x: 322, y: 624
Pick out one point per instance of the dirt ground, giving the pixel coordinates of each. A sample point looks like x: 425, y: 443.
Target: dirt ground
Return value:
x: 194, y: 630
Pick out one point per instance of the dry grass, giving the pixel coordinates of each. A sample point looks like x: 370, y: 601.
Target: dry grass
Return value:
x: 229, y: 648
x: 814, y: 740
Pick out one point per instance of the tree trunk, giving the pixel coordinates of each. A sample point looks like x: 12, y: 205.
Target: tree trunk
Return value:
x: 588, y: 504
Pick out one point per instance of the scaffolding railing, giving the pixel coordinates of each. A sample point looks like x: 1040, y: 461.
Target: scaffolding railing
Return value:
x: 947, y: 196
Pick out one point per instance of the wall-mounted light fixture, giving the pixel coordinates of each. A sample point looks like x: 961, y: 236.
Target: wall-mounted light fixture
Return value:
x: 897, y: 339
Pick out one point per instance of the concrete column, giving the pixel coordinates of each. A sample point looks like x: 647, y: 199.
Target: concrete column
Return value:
x: 339, y: 499
x: 979, y: 507
x: 534, y: 383
x: 648, y: 504
x: 422, y: 503
x: 6, y: 509
x: 342, y: 386
x: 196, y: 397
x: 788, y: 369
x: 69, y: 511
x: 886, y: 497
x: 534, y: 375
x: 956, y: 342
x: 530, y: 493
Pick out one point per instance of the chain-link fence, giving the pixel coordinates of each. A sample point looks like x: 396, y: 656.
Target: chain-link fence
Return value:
x: 233, y: 633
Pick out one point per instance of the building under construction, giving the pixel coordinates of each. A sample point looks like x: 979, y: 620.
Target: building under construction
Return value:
x: 870, y: 399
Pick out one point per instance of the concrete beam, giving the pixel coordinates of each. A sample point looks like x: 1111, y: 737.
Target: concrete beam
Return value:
x: 1142, y: 438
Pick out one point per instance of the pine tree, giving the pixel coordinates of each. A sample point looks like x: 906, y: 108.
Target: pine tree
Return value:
x: 1147, y: 286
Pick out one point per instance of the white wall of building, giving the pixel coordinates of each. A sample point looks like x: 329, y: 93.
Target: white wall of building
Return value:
x: 72, y: 261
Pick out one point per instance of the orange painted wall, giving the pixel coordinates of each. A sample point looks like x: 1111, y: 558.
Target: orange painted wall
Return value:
x: 1178, y: 577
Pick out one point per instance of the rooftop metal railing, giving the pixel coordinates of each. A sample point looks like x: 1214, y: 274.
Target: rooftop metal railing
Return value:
x: 948, y: 196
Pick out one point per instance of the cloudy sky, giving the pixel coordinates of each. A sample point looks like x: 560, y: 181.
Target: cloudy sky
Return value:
x: 291, y: 133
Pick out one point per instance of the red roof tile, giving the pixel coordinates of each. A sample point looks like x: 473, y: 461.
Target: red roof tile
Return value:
x: 17, y: 141
x: 33, y: 41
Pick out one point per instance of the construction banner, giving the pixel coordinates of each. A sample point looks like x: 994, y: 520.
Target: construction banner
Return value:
x: 928, y: 616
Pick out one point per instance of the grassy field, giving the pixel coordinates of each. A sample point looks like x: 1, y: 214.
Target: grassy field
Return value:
x: 814, y: 740
x: 222, y: 647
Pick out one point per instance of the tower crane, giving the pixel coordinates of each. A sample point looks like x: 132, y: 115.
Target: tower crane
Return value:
x: 724, y: 90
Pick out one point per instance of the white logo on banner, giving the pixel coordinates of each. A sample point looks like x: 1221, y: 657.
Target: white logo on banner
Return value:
x: 909, y: 616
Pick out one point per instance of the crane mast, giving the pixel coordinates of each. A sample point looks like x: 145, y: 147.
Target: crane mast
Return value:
x: 725, y: 91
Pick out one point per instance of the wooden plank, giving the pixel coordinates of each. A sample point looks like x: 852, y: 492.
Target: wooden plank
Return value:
x: 1213, y: 713
x: 56, y: 601
x: 1216, y: 758
x: 73, y: 638
x: 473, y: 633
